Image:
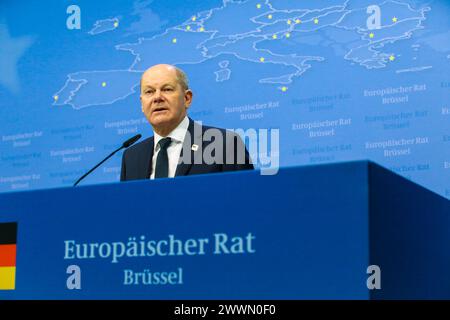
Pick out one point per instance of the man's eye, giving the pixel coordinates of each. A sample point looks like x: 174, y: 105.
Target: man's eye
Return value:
x: 148, y: 92
x: 167, y: 89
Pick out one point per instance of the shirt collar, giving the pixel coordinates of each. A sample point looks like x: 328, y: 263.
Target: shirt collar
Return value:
x: 177, y: 134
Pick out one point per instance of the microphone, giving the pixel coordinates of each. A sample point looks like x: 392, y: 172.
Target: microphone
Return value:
x: 130, y: 141
x: 124, y: 145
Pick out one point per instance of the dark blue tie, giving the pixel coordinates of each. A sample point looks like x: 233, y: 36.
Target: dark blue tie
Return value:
x: 162, y: 160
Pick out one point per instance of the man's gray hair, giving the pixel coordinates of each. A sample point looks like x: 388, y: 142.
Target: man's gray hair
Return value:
x: 182, y: 78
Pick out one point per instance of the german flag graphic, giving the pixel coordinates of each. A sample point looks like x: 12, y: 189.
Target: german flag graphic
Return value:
x: 8, y: 240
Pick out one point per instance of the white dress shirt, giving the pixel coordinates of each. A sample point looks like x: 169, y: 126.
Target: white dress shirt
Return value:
x: 174, y: 149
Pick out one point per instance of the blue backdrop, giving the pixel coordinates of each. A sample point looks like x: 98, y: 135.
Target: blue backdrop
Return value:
x: 341, y: 80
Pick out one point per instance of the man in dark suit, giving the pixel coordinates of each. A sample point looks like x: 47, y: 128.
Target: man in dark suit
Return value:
x: 179, y: 146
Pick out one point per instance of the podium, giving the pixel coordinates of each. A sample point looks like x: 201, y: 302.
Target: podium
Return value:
x: 335, y: 231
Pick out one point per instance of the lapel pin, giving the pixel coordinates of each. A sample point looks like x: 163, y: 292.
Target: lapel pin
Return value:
x: 194, y: 147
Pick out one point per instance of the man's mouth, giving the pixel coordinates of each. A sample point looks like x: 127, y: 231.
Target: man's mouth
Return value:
x: 160, y: 109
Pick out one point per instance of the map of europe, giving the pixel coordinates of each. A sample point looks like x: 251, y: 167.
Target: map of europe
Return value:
x: 286, y: 34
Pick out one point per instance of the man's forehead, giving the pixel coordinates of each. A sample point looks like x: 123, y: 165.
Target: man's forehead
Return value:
x: 159, y: 70
x: 160, y: 75
x: 158, y: 82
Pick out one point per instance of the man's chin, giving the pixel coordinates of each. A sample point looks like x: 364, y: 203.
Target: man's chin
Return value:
x: 160, y: 119
x: 161, y: 124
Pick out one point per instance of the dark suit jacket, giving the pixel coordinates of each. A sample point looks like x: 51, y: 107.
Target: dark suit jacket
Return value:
x: 137, y: 160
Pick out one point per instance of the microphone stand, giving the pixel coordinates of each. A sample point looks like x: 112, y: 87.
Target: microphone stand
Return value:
x: 126, y: 144
x: 113, y: 153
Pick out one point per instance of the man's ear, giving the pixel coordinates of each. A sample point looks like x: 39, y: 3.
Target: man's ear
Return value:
x: 188, y: 98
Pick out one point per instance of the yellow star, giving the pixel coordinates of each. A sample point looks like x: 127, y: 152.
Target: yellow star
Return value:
x: 394, y: 19
x: 116, y: 24
x: 201, y: 29
x: 258, y: 6
x: 371, y: 35
x: 188, y: 28
x: 392, y: 58
x: 55, y: 98
x: 103, y: 84
x: 297, y: 21
x: 284, y: 89
x: 288, y: 35
x: 269, y: 16
x: 261, y: 59
x: 274, y: 36
x: 289, y: 22
x: 194, y: 18
x: 316, y: 21
x: 174, y: 40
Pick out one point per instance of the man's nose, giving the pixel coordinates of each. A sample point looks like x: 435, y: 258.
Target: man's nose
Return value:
x: 157, y: 96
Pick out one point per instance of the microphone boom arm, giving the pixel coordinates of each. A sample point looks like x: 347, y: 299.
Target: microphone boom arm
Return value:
x: 98, y: 165
x: 125, y: 145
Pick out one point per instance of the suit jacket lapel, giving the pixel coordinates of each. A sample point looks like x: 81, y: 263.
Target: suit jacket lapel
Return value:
x: 147, y: 158
x: 183, y: 168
